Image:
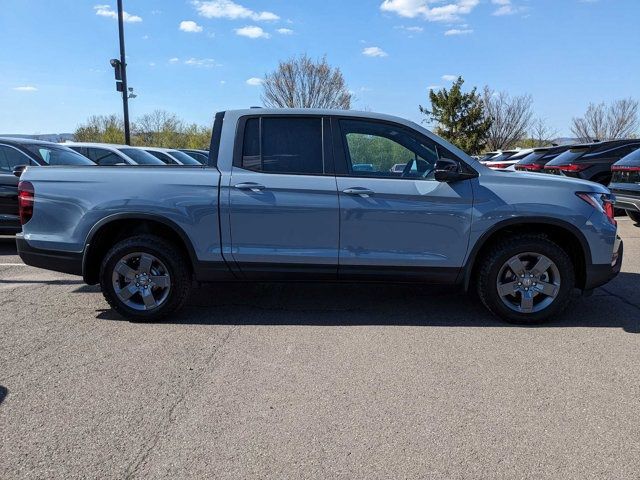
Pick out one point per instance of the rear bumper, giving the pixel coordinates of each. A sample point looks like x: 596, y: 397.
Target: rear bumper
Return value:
x: 626, y: 201
x: 65, y: 262
x: 598, y: 275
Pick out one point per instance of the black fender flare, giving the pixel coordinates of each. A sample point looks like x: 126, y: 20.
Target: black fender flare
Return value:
x: 510, y: 222
x: 137, y: 216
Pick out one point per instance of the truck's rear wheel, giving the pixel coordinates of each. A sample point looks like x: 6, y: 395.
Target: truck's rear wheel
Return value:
x: 144, y: 278
x: 526, y: 279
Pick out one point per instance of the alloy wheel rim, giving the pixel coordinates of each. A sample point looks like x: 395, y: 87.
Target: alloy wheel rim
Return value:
x: 141, y: 281
x: 528, y: 282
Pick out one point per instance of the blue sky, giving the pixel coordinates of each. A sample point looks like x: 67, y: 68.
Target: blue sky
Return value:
x: 55, y: 54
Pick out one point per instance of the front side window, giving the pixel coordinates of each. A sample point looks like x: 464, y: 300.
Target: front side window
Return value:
x: 289, y: 145
x: 11, y: 158
x: 385, y: 150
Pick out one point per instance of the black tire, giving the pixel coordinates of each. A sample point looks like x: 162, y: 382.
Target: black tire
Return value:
x: 169, y: 255
x: 634, y: 216
x: 500, y: 253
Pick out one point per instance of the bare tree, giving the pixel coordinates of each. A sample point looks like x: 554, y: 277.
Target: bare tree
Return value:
x: 541, y: 133
x: 619, y: 120
x: 158, y: 128
x: 510, y: 116
x: 302, y: 83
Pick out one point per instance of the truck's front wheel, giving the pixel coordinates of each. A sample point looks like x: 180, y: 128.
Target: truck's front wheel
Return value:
x: 144, y: 278
x: 526, y: 279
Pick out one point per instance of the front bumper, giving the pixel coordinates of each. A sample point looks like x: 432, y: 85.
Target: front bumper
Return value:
x: 65, y: 262
x: 598, y: 275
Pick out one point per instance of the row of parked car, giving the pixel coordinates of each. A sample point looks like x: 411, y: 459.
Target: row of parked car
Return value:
x: 615, y: 164
x: 18, y: 153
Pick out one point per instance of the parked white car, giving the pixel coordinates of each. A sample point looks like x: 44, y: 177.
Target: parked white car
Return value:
x: 105, y: 154
x: 508, y: 159
x: 170, y: 156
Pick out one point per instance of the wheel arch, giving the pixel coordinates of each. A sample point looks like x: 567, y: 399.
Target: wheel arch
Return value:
x: 116, y: 227
x: 568, y: 236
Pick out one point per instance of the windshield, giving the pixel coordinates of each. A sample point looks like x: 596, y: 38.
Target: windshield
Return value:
x: 54, y: 155
x: 183, y: 158
x: 631, y: 160
x: 502, y: 157
x: 141, y: 157
x: 569, y: 156
x: 533, y: 157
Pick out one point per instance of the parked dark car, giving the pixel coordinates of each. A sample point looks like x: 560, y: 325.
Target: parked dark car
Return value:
x: 592, y: 161
x: 625, y: 184
x: 201, y: 156
x: 17, y: 152
x: 536, y: 160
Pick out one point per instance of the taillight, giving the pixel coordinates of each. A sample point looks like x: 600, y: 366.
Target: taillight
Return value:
x: 624, y: 168
x: 573, y: 167
x: 531, y: 167
x: 497, y: 166
x: 601, y: 202
x: 26, y: 197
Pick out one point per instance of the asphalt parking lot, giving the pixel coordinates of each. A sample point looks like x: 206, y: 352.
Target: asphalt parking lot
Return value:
x: 312, y: 381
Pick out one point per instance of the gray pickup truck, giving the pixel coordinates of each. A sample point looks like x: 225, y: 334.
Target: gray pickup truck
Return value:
x: 312, y: 195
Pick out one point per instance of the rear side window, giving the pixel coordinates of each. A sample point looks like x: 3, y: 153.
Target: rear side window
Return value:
x: 11, y: 158
x: 53, y: 155
x: 104, y: 157
x: 283, y: 145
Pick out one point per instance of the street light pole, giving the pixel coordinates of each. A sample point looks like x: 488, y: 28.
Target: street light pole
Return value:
x: 123, y: 66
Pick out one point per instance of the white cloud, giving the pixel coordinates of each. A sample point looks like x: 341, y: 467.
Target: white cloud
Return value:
x: 449, y: 78
x: 174, y: 60
x: 411, y: 29
x: 26, y: 88
x: 255, y: 81
x: 285, y: 31
x: 190, y: 26
x: 458, y: 31
x: 374, y: 52
x: 107, y: 11
x: 201, y: 62
x: 252, y: 32
x: 231, y: 11
x: 431, y: 10
x: 505, y: 7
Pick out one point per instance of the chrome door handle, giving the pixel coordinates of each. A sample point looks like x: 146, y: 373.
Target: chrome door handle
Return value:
x: 363, y: 192
x: 254, y: 187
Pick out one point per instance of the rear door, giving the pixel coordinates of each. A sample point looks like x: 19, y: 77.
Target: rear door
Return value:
x: 10, y: 158
x: 397, y: 226
x: 283, y: 202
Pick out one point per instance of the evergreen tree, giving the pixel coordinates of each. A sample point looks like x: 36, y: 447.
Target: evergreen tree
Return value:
x: 459, y: 117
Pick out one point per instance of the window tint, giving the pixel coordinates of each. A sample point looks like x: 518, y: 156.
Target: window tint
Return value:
x: 618, y: 152
x: 52, y: 155
x: 163, y: 157
x: 383, y: 150
x: 283, y: 145
x: 11, y: 158
x: 141, y: 157
x: 104, y: 157
x: 183, y: 158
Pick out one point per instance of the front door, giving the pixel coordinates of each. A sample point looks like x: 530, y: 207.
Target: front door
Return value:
x: 283, y: 202
x: 396, y: 221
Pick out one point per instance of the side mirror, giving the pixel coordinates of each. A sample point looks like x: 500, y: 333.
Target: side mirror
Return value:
x: 449, y: 171
x: 18, y: 169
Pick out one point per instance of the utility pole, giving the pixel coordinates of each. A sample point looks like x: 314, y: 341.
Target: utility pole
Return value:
x: 121, y: 75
